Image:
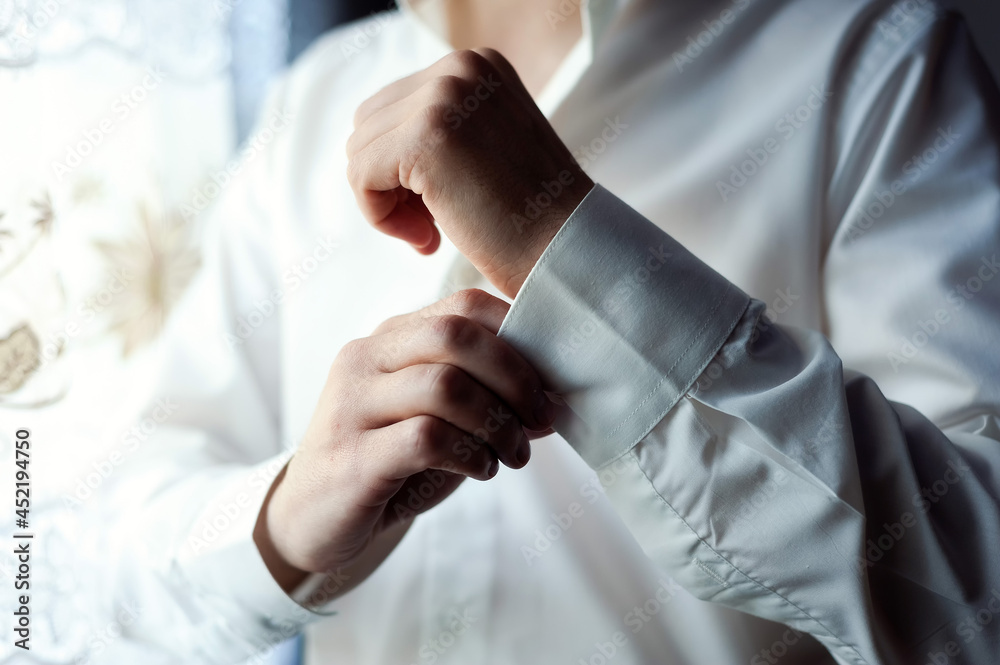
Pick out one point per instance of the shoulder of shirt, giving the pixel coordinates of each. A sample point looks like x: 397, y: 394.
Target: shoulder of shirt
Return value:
x: 901, y: 24
x: 886, y: 34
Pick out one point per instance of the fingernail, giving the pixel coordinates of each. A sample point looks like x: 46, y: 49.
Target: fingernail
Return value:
x: 494, y: 467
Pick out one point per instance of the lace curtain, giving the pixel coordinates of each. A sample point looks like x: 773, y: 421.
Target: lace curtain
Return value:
x: 115, y: 113
x: 186, y: 38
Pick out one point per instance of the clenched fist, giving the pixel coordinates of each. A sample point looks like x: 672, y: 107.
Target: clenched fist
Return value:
x: 462, y: 146
x: 429, y: 399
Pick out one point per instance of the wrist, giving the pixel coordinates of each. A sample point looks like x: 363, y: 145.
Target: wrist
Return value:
x: 540, y: 234
x: 284, y: 573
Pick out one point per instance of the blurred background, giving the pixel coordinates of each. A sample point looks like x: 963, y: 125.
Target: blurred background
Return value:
x: 116, y: 117
x: 307, y: 19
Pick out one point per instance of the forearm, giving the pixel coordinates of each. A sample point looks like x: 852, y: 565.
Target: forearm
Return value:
x: 743, y: 460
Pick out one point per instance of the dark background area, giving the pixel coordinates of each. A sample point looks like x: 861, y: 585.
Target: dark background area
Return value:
x: 983, y: 17
x: 311, y: 18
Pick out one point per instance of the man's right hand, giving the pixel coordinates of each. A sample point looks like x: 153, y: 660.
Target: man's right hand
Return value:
x: 428, y: 399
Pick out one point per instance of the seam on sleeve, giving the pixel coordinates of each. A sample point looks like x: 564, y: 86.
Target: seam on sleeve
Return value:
x: 711, y: 573
x: 803, y: 612
x: 729, y: 331
x: 698, y: 335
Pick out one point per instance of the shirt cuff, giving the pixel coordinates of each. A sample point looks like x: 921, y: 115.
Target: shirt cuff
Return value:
x: 620, y: 320
x: 318, y: 592
x: 221, y: 559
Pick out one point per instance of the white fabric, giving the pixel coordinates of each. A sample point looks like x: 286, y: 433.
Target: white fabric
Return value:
x: 700, y: 354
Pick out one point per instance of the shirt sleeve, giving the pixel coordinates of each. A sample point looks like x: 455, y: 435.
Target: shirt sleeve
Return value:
x: 763, y: 466
x: 180, y: 514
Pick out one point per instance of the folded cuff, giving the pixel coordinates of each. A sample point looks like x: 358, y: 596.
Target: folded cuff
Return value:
x: 620, y: 320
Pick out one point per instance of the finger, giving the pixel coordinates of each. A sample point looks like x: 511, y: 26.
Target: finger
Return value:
x: 391, y: 94
x: 412, y: 221
x: 424, y: 442
x: 387, y: 194
x: 392, y: 142
x: 375, y: 174
x: 448, y: 393
x: 379, y: 123
x: 408, y: 219
x: 503, y: 67
x: 401, y: 507
x: 463, y: 63
x: 416, y: 203
x: 532, y: 434
x: 474, y: 304
x: 432, y: 245
x: 483, y: 308
x: 426, y: 98
x: 456, y: 340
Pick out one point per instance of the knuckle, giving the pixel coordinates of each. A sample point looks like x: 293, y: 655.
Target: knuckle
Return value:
x: 468, y: 63
x: 389, y: 324
x: 490, y: 54
x: 448, y: 384
x: 361, y: 112
x: 516, y: 368
x: 432, y: 123
x: 353, y: 354
x: 469, y: 301
x: 453, y: 331
x: 447, y: 89
x: 499, y: 64
x: 523, y: 373
x: 334, y: 370
x: 424, y: 433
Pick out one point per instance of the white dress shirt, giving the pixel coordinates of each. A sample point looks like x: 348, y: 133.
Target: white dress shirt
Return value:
x: 774, y: 323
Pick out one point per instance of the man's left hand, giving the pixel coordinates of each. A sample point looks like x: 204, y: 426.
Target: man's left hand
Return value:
x: 462, y: 145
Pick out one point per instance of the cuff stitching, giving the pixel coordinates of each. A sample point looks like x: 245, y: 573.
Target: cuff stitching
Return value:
x: 666, y: 375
